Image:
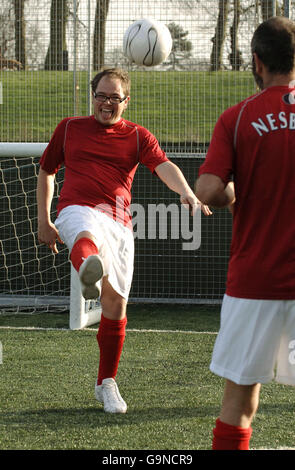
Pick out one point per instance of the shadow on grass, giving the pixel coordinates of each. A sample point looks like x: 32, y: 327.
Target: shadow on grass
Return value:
x: 95, y: 416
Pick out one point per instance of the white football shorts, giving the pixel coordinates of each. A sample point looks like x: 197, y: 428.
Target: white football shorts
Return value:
x: 114, y: 241
x: 256, y: 341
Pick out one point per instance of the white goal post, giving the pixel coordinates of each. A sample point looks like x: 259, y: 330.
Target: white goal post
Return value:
x: 15, y: 253
x: 83, y: 313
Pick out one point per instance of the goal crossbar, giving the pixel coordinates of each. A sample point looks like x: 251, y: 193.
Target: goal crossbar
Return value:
x: 22, y: 149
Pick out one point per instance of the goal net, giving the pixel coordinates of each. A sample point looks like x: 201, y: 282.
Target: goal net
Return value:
x: 178, y: 258
x: 32, y: 278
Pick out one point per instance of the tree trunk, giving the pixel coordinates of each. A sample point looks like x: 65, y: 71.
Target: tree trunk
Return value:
x: 267, y: 9
x: 56, y: 57
x: 101, y: 13
x: 220, y: 33
x: 19, y: 32
x: 235, y: 57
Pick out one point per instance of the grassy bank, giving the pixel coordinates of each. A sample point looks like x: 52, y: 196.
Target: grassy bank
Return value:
x: 178, y: 107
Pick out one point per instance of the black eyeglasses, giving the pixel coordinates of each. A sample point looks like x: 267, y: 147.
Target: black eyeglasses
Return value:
x: 113, y: 99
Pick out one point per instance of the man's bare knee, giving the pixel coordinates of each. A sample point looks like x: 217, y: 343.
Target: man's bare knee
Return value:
x: 85, y: 234
x: 113, y: 304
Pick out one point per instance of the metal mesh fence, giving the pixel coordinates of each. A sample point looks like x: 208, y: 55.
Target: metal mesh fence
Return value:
x: 49, y: 52
x: 170, y: 264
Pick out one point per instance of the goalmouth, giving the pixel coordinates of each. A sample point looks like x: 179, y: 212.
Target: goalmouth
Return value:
x: 33, y: 279
x: 171, y: 266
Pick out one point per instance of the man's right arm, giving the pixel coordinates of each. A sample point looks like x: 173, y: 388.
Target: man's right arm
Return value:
x: 211, y: 190
x: 47, y: 232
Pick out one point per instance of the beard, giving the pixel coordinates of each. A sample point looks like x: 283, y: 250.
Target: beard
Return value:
x: 257, y: 78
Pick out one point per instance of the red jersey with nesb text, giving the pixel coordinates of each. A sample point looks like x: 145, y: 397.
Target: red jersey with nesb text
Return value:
x: 254, y: 143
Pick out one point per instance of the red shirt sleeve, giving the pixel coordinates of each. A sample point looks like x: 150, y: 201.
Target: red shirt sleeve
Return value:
x: 151, y: 154
x: 220, y: 156
x: 53, y: 155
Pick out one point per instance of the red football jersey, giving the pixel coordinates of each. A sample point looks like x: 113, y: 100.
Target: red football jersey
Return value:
x: 100, y: 162
x: 254, y: 143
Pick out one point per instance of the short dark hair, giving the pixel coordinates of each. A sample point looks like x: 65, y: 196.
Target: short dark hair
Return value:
x: 113, y: 73
x: 274, y: 43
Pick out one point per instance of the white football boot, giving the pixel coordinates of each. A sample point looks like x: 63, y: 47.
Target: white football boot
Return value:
x: 90, y: 273
x: 108, y: 394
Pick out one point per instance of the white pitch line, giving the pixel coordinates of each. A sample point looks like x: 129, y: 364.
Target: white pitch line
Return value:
x: 173, y: 331
x: 274, y: 448
x: 32, y: 328
x: 133, y: 330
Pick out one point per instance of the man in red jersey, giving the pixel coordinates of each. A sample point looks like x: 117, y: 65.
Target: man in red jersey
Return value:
x: 101, y: 154
x: 250, y: 168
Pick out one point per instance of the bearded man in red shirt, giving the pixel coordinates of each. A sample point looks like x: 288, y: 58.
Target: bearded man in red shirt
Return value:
x: 250, y: 168
x: 101, y: 154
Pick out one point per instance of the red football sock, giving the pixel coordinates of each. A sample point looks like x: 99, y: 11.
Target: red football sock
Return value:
x: 228, y: 437
x: 83, y: 248
x: 110, y: 338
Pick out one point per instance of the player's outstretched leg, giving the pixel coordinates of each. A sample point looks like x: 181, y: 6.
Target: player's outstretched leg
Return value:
x: 89, y: 265
x: 90, y: 273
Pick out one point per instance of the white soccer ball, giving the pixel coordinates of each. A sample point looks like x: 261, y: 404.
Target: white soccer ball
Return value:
x: 147, y: 42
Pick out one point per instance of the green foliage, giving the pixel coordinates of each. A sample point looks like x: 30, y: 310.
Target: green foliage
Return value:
x: 179, y: 37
